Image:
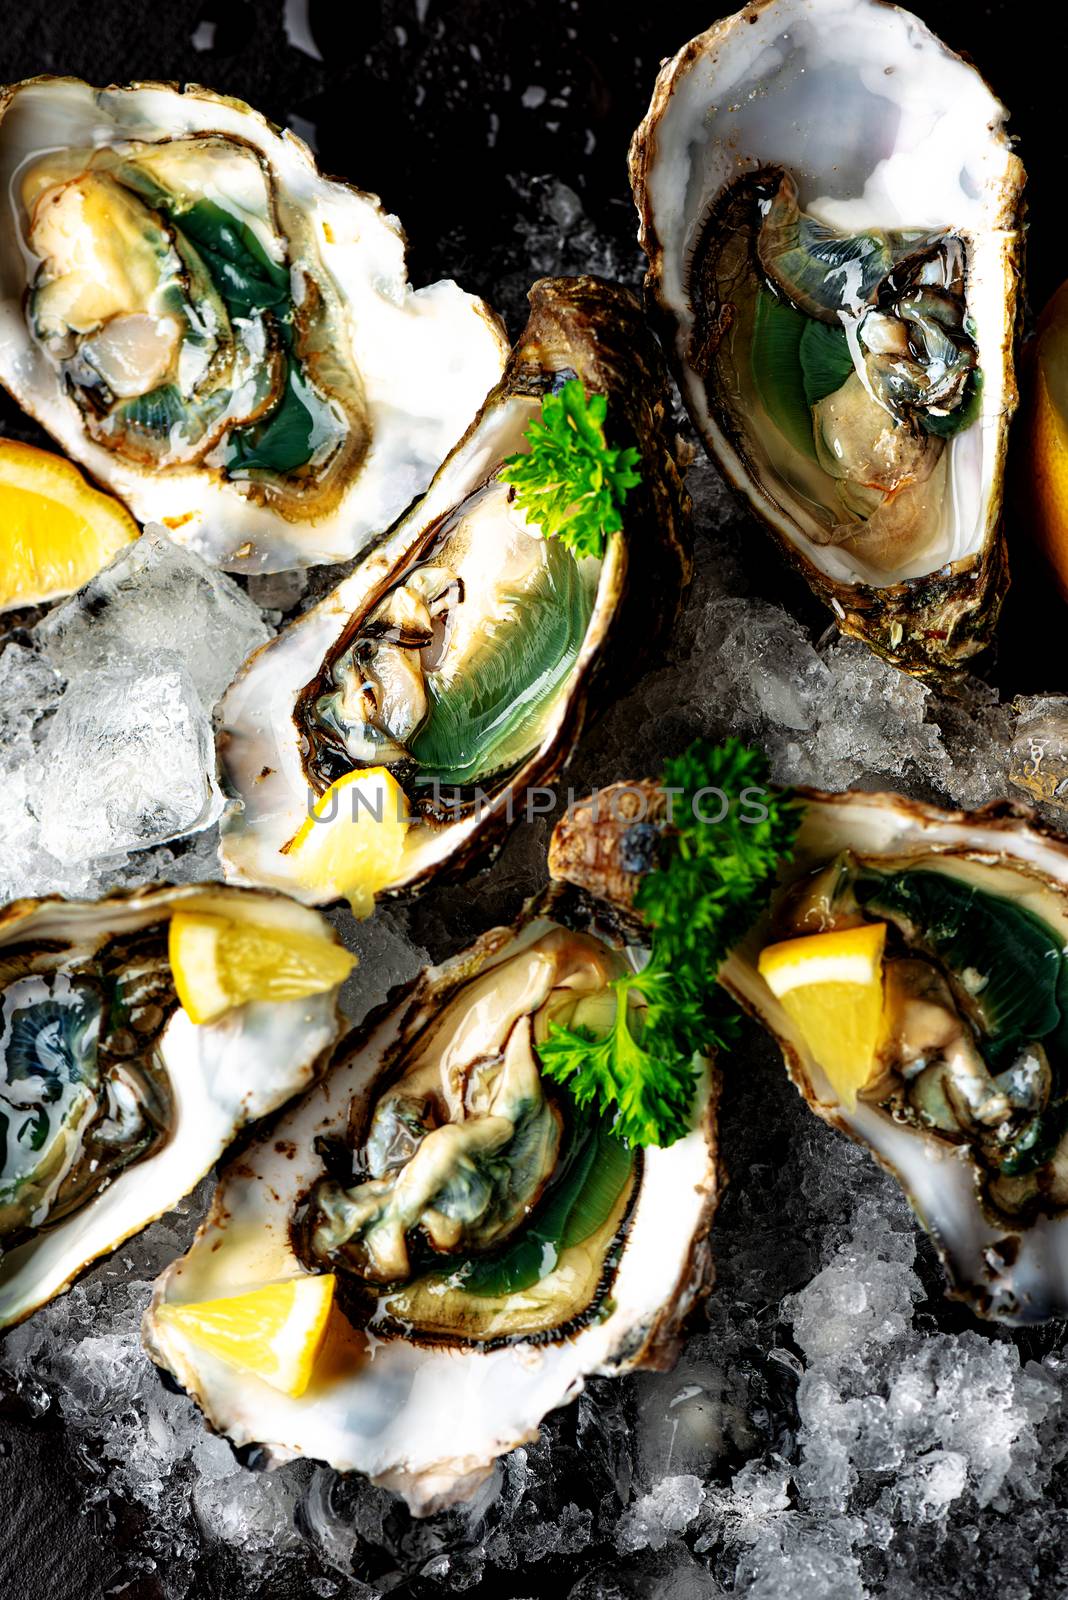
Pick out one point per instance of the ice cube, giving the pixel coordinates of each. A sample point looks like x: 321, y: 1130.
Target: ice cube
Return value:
x: 159, y: 603
x: 127, y: 762
x: 107, y: 754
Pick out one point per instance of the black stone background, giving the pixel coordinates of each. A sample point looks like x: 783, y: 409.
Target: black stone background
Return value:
x: 404, y: 102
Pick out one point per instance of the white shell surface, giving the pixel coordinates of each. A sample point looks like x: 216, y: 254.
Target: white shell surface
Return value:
x: 426, y: 357
x: 427, y: 1421
x: 883, y: 127
x: 259, y: 742
x: 1002, y: 854
x: 223, y: 1075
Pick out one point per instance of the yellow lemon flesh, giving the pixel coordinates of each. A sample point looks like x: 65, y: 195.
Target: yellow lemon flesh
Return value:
x: 831, y: 986
x: 275, y: 1332
x: 1049, y: 436
x: 56, y: 532
x: 351, y: 845
x: 218, y: 964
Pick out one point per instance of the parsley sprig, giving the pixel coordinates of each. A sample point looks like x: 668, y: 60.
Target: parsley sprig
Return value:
x: 709, y: 888
x: 571, y: 482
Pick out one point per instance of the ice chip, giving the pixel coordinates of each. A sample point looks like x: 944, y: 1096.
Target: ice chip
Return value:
x: 252, y: 1511
x: 669, y: 1508
x: 29, y: 689
x: 126, y: 763
x: 930, y: 1486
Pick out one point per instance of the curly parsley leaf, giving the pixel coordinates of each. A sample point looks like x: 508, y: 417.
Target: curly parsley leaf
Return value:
x: 647, y: 1097
x: 571, y: 482
x: 730, y: 832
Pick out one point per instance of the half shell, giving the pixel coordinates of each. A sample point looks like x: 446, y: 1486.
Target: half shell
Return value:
x: 220, y: 334
x: 208, y: 1081
x: 269, y: 722
x: 893, y: 148
x: 425, y: 1414
x: 1003, y: 1237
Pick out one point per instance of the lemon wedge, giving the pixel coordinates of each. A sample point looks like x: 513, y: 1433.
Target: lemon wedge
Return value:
x: 1049, y: 436
x: 218, y: 964
x: 275, y: 1332
x: 831, y: 986
x: 56, y: 531
x: 351, y: 845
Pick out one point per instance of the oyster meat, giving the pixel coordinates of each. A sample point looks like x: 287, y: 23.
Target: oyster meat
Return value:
x: 466, y: 650
x: 224, y: 337
x: 113, y: 1103
x: 493, y: 1246
x: 832, y: 214
x: 967, y: 1098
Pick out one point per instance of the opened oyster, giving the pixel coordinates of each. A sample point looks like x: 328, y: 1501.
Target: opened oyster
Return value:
x: 465, y: 651
x: 221, y: 335
x: 966, y: 1097
x: 493, y: 1245
x: 113, y: 1103
x: 951, y: 1065
x: 831, y: 210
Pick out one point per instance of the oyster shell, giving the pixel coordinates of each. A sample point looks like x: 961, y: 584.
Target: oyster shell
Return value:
x: 493, y: 1247
x: 831, y: 210
x: 465, y: 651
x: 970, y: 1117
x: 967, y: 1102
x: 224, y: 337
x: 113, y: 1103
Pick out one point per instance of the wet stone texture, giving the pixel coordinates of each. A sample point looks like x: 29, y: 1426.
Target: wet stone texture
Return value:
x: 836, y: 1429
